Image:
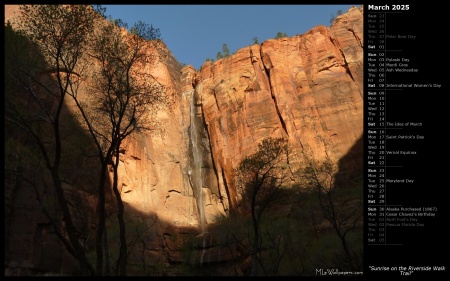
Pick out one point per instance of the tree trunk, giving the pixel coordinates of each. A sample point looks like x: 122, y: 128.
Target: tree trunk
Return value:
x: 123, y: 255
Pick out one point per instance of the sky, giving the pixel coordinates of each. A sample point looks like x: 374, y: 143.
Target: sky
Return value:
x: 194, y: 33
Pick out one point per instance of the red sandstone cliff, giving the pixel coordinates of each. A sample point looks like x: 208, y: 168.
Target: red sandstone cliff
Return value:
x: 307, y: 88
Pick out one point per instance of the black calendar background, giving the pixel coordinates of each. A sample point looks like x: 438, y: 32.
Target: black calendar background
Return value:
x: 415, y: 246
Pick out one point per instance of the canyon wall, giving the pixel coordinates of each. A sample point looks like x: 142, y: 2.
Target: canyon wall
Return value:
x: 307, y: 88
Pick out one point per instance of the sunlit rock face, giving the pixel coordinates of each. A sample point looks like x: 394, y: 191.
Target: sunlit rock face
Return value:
x: 307, y: 88
x: 165, y: 172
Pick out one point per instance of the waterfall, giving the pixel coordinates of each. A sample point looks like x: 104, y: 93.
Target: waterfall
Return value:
x: 203, y: 252
x: 206, y: 246
x: 195, y: 173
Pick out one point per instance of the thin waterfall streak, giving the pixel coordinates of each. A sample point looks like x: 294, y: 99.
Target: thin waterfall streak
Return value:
x: 204, y: 250
x: 210, y: 246
x: 196, y: 171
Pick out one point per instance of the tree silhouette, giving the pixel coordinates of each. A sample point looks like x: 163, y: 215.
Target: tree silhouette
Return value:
x: 259, y: 178
x: 121, y: 100
x: 60, y: 33
x: 280, y: 35
x: 341, y: 205
x: 225, y: 50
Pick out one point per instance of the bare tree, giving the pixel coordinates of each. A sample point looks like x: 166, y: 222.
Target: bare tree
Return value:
x: 341, y: 205
x: 121, y: 100
x: 259, y: 178
x: 59, y: 33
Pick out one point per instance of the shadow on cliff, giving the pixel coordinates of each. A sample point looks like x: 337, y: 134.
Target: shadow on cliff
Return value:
x: 296, y: 240
x: 31, y: 245
x: 302, y: 232
x: 32, y: 210
x: 352, y: 164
